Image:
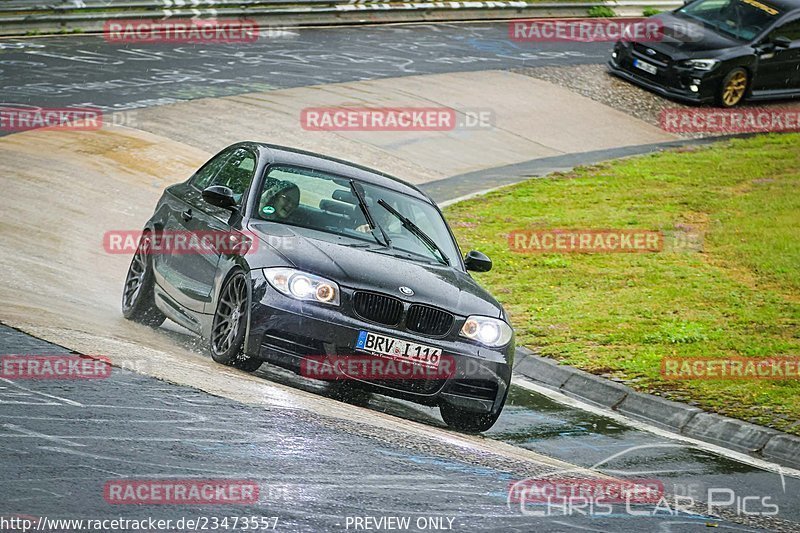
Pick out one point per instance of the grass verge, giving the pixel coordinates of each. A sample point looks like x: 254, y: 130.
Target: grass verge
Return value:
x: 733, y: 293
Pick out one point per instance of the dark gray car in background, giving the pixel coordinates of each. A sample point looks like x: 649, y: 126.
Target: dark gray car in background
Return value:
x: 718, y: 51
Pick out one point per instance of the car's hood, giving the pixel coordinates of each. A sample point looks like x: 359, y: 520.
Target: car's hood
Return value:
x: 373, y: 268
x: 681, y: 37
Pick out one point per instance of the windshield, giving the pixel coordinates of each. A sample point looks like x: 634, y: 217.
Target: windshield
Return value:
x: 325, y: 202
x: 741, y: 19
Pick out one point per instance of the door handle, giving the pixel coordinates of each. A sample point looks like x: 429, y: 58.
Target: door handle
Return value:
x: 187, y: 215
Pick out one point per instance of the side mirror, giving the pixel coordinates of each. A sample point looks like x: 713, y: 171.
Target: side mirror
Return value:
x: 220, y: 196
x: 477, y: 262
x: 782, y: 42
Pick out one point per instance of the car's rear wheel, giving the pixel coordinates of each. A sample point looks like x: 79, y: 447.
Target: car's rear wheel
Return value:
x: 468, y: 421
x: 733, y: 88
x: 229, y: 326
x: 138, y: 296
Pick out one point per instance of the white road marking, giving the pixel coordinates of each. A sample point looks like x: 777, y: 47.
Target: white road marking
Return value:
x: 33, y: 392
x: 24, y: 432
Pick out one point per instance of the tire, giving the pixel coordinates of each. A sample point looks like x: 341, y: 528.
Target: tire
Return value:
x: 733, y: 89
x: 138, y: 296
x: 230, y: 324
x: 468, y: 421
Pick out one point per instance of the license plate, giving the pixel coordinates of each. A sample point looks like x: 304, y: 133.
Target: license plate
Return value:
x: 398, y: 349
x: 643, y: 65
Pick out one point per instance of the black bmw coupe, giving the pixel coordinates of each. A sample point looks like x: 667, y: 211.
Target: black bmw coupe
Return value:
x: 718, y: 51
x: 331, y: 259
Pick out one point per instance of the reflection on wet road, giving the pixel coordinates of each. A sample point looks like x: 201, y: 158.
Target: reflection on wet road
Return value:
x: 313, y: 475
x: 535, y: 422
x: 538, y: 423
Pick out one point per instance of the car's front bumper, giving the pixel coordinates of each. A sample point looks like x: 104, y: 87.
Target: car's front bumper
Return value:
x: 283, y: 331
x: 670, y: 81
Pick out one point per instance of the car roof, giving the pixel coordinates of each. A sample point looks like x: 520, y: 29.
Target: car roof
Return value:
x: 340, y: 167
x: 785, y: 5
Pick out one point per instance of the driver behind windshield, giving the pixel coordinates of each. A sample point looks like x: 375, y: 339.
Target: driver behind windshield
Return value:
x: 279, y: 199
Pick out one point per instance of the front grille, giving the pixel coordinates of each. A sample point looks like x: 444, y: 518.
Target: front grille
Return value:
x: 429, y: 320
x: 659, y: 59
x: 378, y: 308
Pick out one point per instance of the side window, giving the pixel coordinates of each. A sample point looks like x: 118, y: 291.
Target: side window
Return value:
x: 203, y: 178
x: 790, y: 30
x: 237, y: 172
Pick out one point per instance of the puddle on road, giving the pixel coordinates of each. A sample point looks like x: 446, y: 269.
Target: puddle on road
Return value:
x: 537, y: 423
x: 529, y: 416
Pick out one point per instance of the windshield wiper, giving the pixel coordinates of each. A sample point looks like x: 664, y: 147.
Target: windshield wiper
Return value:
x: 362, y: 203
x: 414, y: 229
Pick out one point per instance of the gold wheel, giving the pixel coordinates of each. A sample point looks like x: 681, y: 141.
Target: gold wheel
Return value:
x: 734, y: 89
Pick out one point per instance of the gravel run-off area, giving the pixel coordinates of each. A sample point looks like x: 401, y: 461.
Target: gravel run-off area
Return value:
x: 595, y: 82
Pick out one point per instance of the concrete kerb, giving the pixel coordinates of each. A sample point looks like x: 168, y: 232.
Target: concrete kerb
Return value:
x: 758, y: 441
x: 651, y: 409
x: 783, y: 449
x: 728, y: 432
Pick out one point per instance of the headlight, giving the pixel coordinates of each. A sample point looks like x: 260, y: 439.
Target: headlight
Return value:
x: 486, y: 330
x: 302, y: 285
x: 700, y: 64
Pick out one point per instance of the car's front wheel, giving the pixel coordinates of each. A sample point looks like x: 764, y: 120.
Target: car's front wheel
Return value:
x: 468, y: 421
x: 138, y: 296
x: 733, y: 88
x: 229, y: 326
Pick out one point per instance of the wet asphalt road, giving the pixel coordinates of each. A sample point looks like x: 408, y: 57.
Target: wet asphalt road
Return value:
x: 61, y: 442
x: 87, y: 71
x: 57, y: 455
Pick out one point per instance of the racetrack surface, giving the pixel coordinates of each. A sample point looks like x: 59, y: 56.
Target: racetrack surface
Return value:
x: 86, y: 70
x: 63, y: 190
